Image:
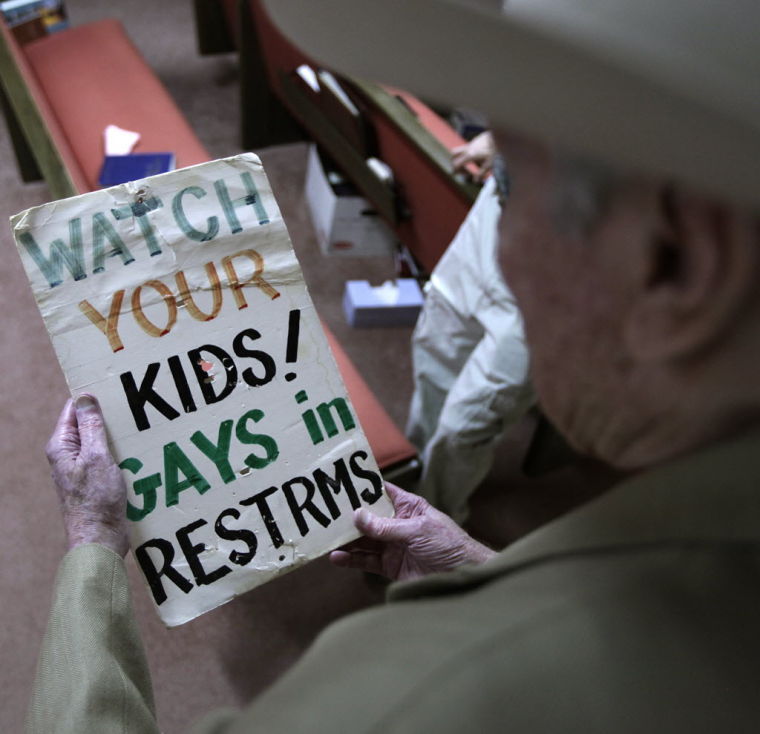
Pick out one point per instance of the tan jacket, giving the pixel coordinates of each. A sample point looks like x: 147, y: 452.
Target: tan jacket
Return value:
x: 637, y: 613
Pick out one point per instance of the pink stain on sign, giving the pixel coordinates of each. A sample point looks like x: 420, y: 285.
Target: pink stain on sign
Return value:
x: 205, y: 366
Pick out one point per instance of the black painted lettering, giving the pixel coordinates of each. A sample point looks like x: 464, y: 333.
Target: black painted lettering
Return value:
x: 205, y: 380
x: 305, y: 505
x: 329, y: 485
x: 266, y: 361
x: 153, y: 575
x: 192, y: 553
x: 370, y: 496
x: 260, y: 500
x: 180, y: 382
x: 247, y: 536
x: 137, y: 397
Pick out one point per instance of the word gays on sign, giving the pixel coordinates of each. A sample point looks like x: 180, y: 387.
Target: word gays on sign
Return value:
x: 178, y: 301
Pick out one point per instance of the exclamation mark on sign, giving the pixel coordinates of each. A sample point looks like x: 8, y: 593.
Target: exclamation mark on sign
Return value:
x: 291, y: 351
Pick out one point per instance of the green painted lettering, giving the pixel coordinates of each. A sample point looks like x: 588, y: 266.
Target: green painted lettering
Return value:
x: 310, y: 421
x: 176, y: 461
x: 219, y: 454
x: 102, y: 230
x: 60, y: 254
x: 344, y: 413
x: 140, y: 210
x: 251, y: 198
x: 146, y: 487
x: 266, y: 442
x: 212, y: 223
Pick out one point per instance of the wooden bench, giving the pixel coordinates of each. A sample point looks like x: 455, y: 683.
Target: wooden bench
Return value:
x: 428, y: 203
x: 65, y: 88
x: 61, y: 91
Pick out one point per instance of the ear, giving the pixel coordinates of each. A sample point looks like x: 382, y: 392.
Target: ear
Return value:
x: 699, y: 269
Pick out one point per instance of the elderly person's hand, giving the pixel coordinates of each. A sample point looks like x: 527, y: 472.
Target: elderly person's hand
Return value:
x: 418, y: 541
x: 479, y: 151
x: 90, y: 486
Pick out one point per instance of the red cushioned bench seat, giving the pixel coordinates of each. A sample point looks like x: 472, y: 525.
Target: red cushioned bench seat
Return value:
x: 88, y: 89
x: 389, y: 445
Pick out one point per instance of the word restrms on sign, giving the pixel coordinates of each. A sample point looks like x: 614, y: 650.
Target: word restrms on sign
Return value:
x: 307, y: 498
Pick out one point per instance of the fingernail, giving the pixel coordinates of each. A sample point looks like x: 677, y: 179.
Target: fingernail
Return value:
x: 85, y: 402
x: 361, y: 516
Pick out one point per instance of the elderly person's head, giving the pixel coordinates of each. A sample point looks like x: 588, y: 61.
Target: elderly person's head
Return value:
x: 640, y: 301
x: 631, y: 133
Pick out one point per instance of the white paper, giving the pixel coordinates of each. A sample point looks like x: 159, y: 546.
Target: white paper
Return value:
x: 381, y: 169
x: 242, y: 454
x: 307, y: 74
x: 118, y: 141
x: 327, y: 79
x: 387, y: 293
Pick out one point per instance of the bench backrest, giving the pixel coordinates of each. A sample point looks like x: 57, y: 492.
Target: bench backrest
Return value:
x: 408, y: 135
x: 37, y: 120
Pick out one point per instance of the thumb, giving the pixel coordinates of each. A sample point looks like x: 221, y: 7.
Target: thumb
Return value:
x: 387, y: 529
x: 92, y: 432
x: 65, y: 438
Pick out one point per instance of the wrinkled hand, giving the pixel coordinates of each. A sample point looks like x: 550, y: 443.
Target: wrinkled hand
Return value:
x: 418, y: 541
x: 480, y: 151
x: 90, y: 487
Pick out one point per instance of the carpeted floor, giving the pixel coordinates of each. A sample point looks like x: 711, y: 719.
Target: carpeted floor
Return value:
x: 226, y: 656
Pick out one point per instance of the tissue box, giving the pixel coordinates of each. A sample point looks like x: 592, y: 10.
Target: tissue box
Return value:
x: 345, y: 223
x: 391, y: 304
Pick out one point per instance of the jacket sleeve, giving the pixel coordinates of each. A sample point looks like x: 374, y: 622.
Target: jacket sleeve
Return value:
x: 92, y: 675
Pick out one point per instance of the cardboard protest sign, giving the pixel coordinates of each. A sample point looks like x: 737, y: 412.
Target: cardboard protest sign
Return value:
x: 178, y: 301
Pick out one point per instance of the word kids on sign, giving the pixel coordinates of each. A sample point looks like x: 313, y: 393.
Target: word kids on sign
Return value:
x: 177, y: 300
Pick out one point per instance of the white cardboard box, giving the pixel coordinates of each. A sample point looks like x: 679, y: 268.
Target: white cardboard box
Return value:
x: 345, y: 225
x: 390, y: 304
